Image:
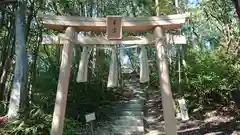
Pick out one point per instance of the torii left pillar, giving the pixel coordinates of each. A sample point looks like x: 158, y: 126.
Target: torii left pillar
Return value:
x: 63, y: 82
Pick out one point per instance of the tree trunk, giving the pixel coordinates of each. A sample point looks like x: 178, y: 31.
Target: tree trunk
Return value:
x: 33, y: 71
x: 6, y: 58
x: 18, y: 94
x: 237, y: 7
x: 5, y: 73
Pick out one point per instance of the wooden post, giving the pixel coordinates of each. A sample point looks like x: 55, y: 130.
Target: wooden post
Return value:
x: 167, y: 99
x: 63, y: 82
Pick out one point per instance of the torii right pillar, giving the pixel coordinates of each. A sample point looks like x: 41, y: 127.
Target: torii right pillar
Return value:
x: 165, y: 87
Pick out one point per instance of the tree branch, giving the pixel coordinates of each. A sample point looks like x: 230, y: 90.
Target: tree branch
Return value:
x: 8, y: 2
x: 6, y: 10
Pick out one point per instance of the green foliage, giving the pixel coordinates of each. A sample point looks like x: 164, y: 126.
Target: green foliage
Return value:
x: 82, y: 98
x: 37, y: 123
x: 208, y: 77
x: 211, y: 76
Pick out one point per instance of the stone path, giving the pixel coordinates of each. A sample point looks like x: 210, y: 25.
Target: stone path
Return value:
x: 140, y: 113
x: 127, y: 116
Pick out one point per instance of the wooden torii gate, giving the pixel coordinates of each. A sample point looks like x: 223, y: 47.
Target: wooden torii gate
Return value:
x: 71, y: 25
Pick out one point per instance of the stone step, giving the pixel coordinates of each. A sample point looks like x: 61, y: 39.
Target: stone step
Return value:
x: 154, y: 110
x: 155, y: 92
x: 148, y: 94
x: 154, y: 100
x: 129, y: 122
x: 132, y: 86
x: 127, y: 113
x: 133, y: 100
x: 139, y: 118
x: 154, y: 132
x: 139, y: 97
x: 153, y: 120
x: 127, y: 109
x: 135, y: 80
x: 155, y: 96
x: 127, y: 130
x: 156, y: 127
x: 128, y: 106
x: 131, y: 94
x: 138, y: 93
x: 152, y: 105
x: 152, y: 114
x: 127, y: 84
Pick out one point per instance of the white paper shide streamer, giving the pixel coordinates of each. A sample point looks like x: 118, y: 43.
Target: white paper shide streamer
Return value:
x: 113, y: 70
x: 144, y: 67
x: 126, y: 65
x: 83, y: 65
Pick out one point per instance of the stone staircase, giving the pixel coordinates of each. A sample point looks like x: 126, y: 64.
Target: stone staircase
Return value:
x: 127, y: 115
x: 153, y: 112
x: 138, y: 111
x: 141, y: 112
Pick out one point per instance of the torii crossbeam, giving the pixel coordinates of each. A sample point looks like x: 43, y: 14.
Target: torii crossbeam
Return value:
x: 133, y: 40
x: 128, y: 24
x: 73, y: 24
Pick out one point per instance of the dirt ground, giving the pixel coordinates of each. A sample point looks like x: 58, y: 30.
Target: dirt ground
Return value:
x: 221, y: 121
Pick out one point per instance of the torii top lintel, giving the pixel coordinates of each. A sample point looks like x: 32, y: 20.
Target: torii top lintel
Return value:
x: 128, y: 24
